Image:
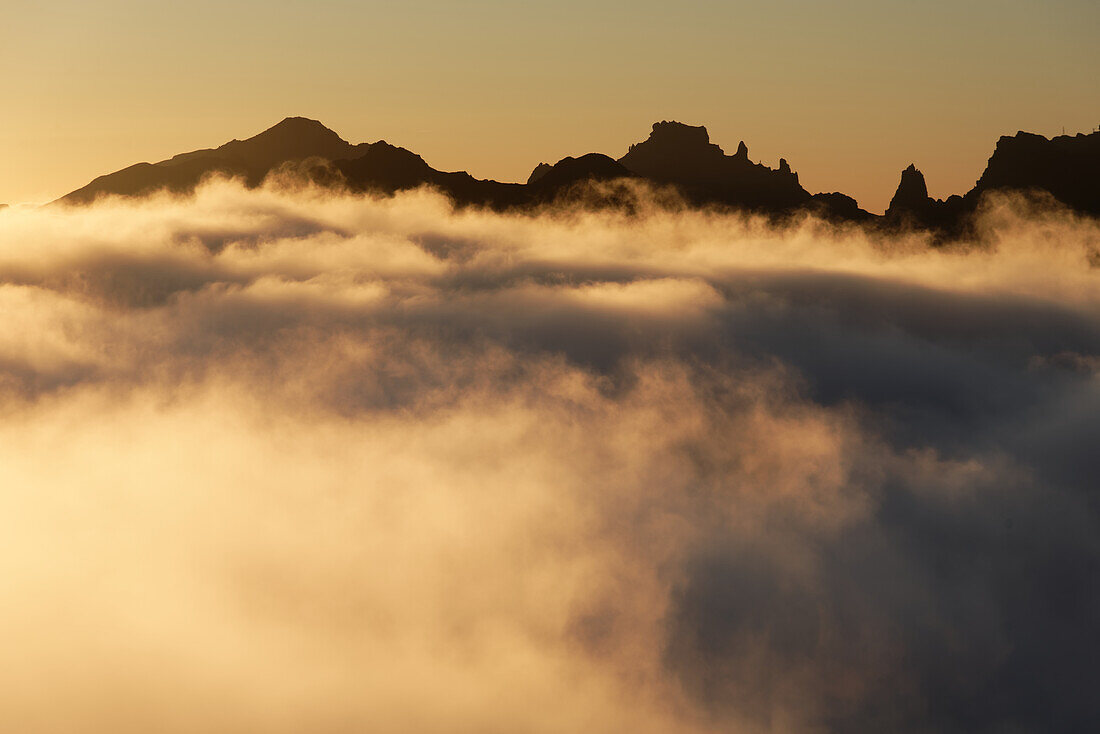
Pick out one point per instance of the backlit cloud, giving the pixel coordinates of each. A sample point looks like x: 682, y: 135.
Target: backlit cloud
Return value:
x: 279, y: 461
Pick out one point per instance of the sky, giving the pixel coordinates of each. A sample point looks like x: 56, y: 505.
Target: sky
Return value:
x: 849, y: 92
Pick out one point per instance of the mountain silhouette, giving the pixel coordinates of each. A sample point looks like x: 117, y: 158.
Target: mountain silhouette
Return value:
x: 684, y: 156
x: 295, y: 138
x: 569, y: 171
x: 912, y: 192
x: 387, y: 169
x: 912, y: 207
x: 540, y: 170
x: 837, y: 207
x: 674, y: 155
x: 1067, y: 167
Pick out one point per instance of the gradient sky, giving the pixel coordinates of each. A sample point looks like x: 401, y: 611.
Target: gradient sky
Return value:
x: 849, y: 92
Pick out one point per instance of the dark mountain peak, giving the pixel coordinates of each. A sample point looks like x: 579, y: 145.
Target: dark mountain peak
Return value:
x: 382, y: 149
x: 838, y: 207
x: 590, y: 167
x: 912, y: 192
x: 292, y: 139
x: 683, y: 155
x: 540, y: 170
x: 1021, y: 136
x: 674, y: 140
x: 300, y: 125
x: 390, y: 163
x: 913, y: 207
x: 677, y: 133
x: 1065, y: 166
x: 299, y: 131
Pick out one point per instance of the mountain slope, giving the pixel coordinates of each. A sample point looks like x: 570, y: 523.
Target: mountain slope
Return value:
x: 387, y: 169
x: 295, y: 138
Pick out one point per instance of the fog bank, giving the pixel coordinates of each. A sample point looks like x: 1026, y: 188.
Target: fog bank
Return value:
x: 280, y: 461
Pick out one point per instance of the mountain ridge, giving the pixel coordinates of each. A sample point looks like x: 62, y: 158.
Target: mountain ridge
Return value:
x: 675, y: 154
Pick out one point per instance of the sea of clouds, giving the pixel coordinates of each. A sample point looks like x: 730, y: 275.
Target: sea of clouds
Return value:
x: 281, y: 460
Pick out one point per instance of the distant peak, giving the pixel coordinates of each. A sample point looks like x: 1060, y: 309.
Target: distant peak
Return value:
x: 912, y: 192
x: 672, y: 140
x: 298, y: 127
x: 1021, y: 140
x: 540, y: 170
x: 684, y: 155
x: 293, y: 138
x: 300, y: 122
x: 672, y: 131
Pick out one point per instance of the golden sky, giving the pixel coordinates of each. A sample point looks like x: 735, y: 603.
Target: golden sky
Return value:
x: 849, y: 92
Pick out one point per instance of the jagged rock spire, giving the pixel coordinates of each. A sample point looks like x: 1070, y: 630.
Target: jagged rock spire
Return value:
x: 912, y: 192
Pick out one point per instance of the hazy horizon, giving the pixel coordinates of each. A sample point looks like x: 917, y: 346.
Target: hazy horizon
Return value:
x: 850, y: 93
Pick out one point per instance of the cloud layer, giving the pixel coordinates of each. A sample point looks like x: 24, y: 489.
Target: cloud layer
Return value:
x: 286, y: 461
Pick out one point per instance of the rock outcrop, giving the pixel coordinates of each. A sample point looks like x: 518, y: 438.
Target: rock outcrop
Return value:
x: 912, y: 207
x: 1067, y: 167
x: 838, y: 207
x: 912, y: 192
x: 540, y: 170
x: 683, y: 155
